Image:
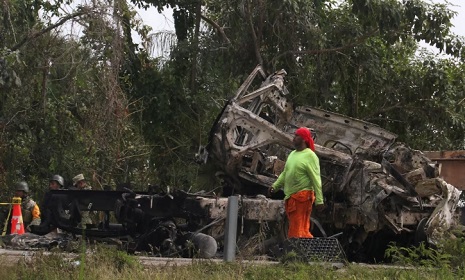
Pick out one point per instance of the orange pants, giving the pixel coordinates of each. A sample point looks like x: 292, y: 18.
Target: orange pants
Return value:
x: 298, y: 210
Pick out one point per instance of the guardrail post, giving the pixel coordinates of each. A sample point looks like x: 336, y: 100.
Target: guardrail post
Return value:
x: 231, y: 229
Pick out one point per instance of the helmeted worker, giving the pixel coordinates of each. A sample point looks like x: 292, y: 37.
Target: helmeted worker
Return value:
x: 48, y: 223
x: 80, y: 183
x: 56, y: 182
x: 29, y: 208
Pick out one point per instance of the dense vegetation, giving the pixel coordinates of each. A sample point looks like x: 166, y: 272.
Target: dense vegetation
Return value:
x: 96, y: 102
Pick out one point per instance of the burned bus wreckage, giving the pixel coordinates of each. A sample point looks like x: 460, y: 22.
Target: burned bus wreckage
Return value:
x: 375, y: 189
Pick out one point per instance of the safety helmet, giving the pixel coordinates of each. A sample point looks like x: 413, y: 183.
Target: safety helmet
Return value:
x: 58, y: 179
x: 22, y: 186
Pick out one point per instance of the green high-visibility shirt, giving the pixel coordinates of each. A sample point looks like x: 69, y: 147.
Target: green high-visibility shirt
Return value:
x: 301, y: 172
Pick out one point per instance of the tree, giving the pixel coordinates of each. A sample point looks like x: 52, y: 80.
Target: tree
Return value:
x: 69, y: 115
x: 100, y: 104
x: 353, y: 57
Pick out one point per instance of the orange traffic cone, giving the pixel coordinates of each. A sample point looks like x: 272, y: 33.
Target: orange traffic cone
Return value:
x: 17, y: 226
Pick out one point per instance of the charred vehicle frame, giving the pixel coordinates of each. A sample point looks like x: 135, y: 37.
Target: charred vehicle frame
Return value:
x: 376, y: 190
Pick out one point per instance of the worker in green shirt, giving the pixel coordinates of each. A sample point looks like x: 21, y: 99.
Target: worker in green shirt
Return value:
x: 301, y: 183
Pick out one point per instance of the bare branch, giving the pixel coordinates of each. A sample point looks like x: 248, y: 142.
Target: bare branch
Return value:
x: 383, y: 110
x: 35, y: 34
x: 254, y: 35
x: 357, y: 42
x: 198, y: 17
x: 217, y: 27
x: 7, y: 17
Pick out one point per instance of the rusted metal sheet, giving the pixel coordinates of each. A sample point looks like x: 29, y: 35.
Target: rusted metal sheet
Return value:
x: 452, y: 166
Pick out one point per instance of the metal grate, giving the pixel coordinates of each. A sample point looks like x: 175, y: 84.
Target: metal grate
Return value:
x: 319, y: 249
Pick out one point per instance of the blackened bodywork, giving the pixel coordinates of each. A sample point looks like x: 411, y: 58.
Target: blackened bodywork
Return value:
x: 165, y: 224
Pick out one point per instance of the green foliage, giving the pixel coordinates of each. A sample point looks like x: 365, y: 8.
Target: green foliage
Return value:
x: 456, y: 248
x: 8, y: 77
x: 114, y: 258
x: 99, y: 263
x: 445, y: 260
x: 102, y: 106
x: 183, y: 14
x: 291, y: 257
x: 454, y: 245
x: 70, y: 115
x: 355, y: 57
x: 418, y: 256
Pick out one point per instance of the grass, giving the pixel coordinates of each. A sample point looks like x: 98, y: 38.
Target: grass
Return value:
x: 109, y: 264
x: 444, y: 262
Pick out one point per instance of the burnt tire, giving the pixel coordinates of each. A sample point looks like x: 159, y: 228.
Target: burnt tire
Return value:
x: 205, y: 245
x: 420, y: 232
